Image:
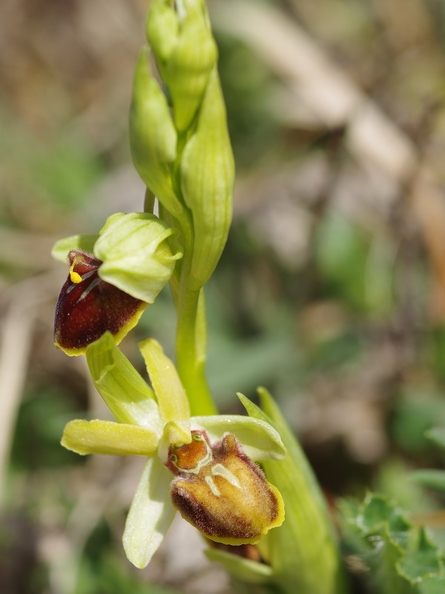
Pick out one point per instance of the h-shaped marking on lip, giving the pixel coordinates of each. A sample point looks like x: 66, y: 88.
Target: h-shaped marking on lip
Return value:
x: 220, y: 470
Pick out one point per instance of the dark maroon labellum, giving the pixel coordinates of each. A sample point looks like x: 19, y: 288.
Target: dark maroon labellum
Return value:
x: 88, y: 306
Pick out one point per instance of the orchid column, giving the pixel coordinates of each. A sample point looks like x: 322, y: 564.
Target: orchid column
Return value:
x: 183, y: 154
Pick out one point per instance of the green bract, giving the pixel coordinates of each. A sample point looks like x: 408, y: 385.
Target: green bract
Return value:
x: 152, y: 135
x: 148, y: 424
x: 207, y: 177
x: 185, y: 52
x: 187, y: 161
x: 135, y: 250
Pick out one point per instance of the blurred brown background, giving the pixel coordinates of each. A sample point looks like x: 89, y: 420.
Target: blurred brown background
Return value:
x: 331, y: 291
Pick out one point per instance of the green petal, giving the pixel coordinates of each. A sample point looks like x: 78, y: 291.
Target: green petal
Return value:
x: 107, y: 437
x: 153, y: 135
x: 172, y: 400
x: 150, y: 515
x: 260, y: 441
x: 84, y: 243
x: 126, y: 394
x: 136, y: 254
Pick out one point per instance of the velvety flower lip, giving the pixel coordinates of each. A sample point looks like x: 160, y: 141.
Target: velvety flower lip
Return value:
x: 157, y: 424
x: 221, y: 491
x: 88, y: 306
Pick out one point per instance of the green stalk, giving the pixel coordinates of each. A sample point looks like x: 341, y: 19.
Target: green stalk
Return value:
x: 191, y: 347
x: 191, y: 325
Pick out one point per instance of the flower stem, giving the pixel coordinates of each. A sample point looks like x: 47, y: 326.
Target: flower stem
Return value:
x: 191, y: 346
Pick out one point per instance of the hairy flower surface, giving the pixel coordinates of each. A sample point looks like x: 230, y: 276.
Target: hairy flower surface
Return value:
x: 88, y: 306
x: 221, y: 491
x: 218, y: 487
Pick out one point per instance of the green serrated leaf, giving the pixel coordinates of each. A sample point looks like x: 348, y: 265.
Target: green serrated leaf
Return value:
x: 378, y: 511
x: 422, y: 562
x: 384, y: 563
x: 379, y: 531
x: 434, y: 585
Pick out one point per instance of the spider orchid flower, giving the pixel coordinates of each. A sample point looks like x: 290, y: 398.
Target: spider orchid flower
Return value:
x: 202, y: 466
x: 112, y: 278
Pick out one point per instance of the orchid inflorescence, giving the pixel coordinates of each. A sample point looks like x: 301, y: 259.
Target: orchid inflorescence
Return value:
x: 198, y: 462
x: 217, y: 487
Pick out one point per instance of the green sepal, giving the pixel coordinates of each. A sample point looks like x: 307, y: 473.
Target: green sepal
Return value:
x: 186, y: 60
x: 153, y: 136
x: 260, y: 441
x: 108, y: 437
x: 125, y: 392
x: 136, y: 254
x: 207, y: 177
x: 151, y: 514
x: 240, y: 568
x: 162, y: 29
x: 83, y: 243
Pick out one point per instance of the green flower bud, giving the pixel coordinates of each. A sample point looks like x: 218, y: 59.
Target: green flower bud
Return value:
x: 162, y: 29
x: 153, y: 135
x: 207, y: 176
x: 185, y: 61
x: 136, y: 254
